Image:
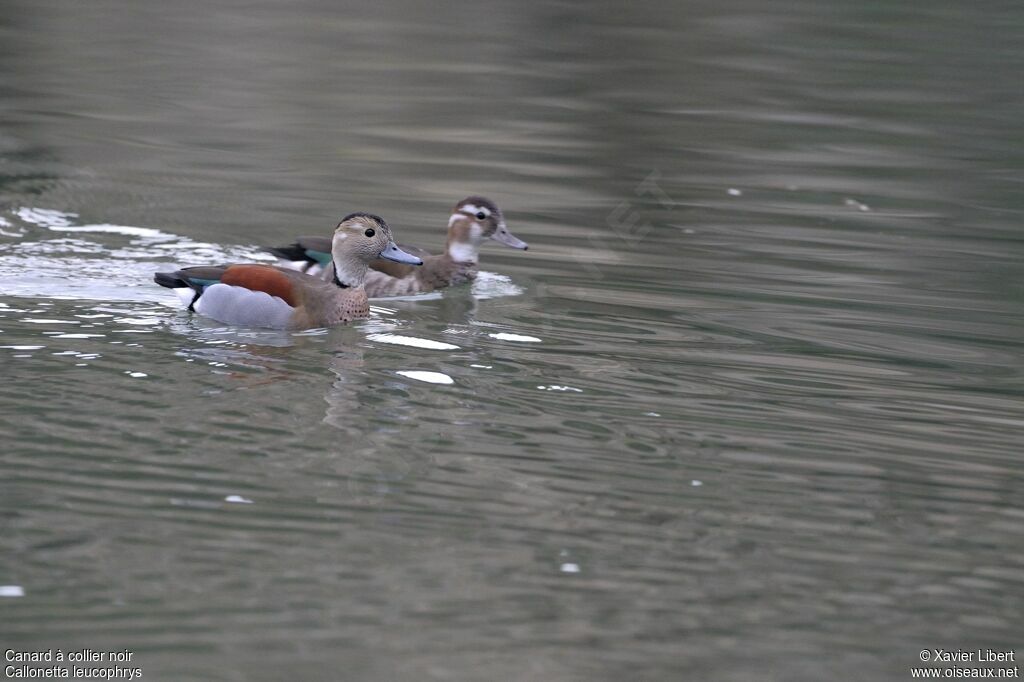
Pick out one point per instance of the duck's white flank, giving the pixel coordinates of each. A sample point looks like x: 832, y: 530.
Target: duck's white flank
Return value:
x: 185, y: 294
x: 244, y: 307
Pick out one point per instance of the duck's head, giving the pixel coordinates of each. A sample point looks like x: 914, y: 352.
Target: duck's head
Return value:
x: 359, y: 239
x: 474, y: 220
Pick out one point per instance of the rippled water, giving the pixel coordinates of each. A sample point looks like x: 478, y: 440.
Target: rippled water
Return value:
x: 750, y: 407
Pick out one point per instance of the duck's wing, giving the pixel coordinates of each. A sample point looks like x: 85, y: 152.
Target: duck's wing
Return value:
x: 279, y: 282
x: 255, y: 296
x: 400, y: 270
x: 193, y: 278
x: 305, y: 249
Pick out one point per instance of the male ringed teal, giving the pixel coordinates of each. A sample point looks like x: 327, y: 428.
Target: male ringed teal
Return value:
x: 255, y: 295
x: 474, y: 220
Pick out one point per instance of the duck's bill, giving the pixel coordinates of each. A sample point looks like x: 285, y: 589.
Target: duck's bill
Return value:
x: 503, y: 236
x: 392, y: 252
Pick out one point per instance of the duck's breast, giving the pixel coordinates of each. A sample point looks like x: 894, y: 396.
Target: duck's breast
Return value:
x: 351, y: 305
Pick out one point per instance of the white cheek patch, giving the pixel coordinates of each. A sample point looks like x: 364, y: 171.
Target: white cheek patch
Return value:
x: 461, y: 252
x: 475, y: 231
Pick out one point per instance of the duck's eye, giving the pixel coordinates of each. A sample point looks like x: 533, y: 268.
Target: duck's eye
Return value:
x: 481, y: 215
x: 369, y: 232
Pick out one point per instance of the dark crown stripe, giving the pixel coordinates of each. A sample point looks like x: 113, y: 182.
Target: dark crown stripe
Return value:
x: 361, y: 214
x: 480, y: 201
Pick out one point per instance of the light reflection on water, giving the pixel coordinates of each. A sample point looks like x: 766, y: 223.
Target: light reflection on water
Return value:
x: 754, y: 393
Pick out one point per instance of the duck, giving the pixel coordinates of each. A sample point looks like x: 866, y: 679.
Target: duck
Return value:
x: 473, y: 220
x: 261, y: 295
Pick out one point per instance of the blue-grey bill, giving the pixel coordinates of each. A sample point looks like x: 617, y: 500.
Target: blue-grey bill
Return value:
x: 503, y: 236
x: 392, y: 252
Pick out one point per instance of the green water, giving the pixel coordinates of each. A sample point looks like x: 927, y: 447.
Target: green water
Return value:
x: 750, y: 407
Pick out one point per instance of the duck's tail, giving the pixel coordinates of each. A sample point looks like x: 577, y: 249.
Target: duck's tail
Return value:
x: 196, y: 279
x: 291, y: 252
x: 171, y: 280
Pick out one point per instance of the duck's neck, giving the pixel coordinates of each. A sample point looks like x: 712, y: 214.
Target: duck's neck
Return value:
x: 463, y: 244
x: 348, y: 272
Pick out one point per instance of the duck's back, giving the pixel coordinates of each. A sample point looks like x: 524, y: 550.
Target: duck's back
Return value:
x: 436, y: 272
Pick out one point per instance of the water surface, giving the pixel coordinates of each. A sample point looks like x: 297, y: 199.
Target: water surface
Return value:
x: 748, y: 408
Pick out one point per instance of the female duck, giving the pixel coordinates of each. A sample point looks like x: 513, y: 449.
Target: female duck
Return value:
x: 474, y: 220
x: 268, y: 296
